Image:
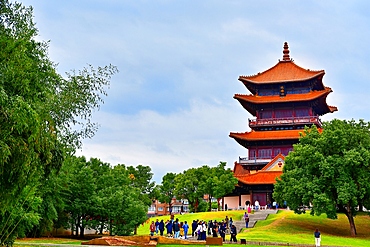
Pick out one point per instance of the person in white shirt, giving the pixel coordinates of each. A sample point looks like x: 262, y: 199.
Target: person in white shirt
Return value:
x: 257, y: 205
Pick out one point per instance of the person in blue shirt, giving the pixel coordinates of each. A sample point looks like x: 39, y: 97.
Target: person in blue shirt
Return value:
x: 233, y: 233
x: 222, y: 230
x: 169, y: 228
x: 317, y: 235
x: 185, y: 226
x: 156, y: 227
x: 161, y: 227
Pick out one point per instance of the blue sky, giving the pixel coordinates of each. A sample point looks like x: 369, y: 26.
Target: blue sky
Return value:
x: 171, y: 106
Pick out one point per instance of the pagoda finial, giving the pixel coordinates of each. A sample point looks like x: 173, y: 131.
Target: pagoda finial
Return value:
x: 286, y: 56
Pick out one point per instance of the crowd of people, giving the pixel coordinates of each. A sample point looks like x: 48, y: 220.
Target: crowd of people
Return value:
x: 200, y: 229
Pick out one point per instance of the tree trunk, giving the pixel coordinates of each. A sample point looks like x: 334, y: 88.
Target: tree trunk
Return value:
x: 351, y: 221
x: 210, y: 204
x: 77, y: 225
x: 110, y: 227
x: 82, y: 229
x: 101, y: 227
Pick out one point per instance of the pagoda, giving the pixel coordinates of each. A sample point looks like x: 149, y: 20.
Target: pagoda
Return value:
x: 283, y: 100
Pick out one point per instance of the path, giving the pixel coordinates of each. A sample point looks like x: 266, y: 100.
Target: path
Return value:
x: 253, y: 218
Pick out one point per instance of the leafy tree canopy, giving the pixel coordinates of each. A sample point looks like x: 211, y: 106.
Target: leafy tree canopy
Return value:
x: 43, y: 115
x: 328, y: 171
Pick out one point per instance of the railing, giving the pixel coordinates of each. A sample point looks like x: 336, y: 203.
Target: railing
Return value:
x: 252, y: 160
x: 285, y: 121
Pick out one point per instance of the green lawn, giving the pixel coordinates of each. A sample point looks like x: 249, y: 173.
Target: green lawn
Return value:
x: 284, y: 227
x: 287, y: 227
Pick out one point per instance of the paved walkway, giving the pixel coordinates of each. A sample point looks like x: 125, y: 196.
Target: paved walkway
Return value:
x: 253, y: 218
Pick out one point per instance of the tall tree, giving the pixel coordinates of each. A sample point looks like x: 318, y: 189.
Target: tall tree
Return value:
x: 329, y: 171
x: 218, y: 182
x: 141, y: 178
x: 187, y: 186
x: 167, y: 188
x: 43, y: 116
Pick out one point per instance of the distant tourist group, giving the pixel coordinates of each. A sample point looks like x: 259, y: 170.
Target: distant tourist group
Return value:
x: 200, y: 229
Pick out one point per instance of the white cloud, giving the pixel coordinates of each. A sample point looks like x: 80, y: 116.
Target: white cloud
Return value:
x: 174, y: 142
x: 171, y: 105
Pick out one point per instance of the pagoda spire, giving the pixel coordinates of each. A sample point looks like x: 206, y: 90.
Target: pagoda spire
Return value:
x: 286, y: 56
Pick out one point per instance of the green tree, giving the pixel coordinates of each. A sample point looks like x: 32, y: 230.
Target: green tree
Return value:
x: 82, y: 193
x: 101, y: 197
x: 43, y: 116
x: 123, y: 205
x: 328, y: 171
x: 141, y: 178
x: 217, y: 182
x: 187, y: 186
x: 167, y: 188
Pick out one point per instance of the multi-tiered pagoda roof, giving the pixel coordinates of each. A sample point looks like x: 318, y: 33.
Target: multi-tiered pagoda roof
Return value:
x: 285, y: 85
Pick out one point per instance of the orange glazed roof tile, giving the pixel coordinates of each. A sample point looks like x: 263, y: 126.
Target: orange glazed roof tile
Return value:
x: 268, y: 135
x: 287, y: 98
x: 239, y: 170
x: 261, y: 177
x: 283, y: 71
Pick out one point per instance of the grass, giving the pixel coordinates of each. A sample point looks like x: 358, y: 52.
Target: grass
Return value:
x: 60, y: 241
x: 287, y: 227
x: 283, y: 227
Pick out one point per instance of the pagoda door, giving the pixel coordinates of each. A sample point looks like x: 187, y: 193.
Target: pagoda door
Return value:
x: 261, y: 197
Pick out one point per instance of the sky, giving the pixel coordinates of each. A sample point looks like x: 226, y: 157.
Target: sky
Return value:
x: 171, y: 105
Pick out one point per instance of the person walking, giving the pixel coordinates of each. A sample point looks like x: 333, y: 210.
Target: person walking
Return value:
x: 185, y: 226
x: 256, y: 205
x: 215, y: 229
x: 246, y: 219
x: 199, y: 230
x: 169, y: 228
x: 161, y: 227
x: 210, y: 226
x: 156, y: 227
x: 317, y: 235
x: 176, y: 228
x: 222, y: 230
x: 233, y: 234
x: 194, y: 226
x: 204, y: 233
x: 152, y: 228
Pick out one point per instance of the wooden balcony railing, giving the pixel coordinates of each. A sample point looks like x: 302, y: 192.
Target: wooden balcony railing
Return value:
x: 309, y: 120
x: 252, y: 160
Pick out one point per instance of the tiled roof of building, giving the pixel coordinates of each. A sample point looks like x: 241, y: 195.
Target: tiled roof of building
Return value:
x: 260, y: 177
x: 287, y: 98
x: 284, y: 71
x: 268, y: 135
x: 263, y: 176
x: 239, y: 170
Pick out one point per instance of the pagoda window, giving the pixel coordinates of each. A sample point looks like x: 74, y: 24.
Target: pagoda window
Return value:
x: 302, y: 112
x: 252, y: 154
x: 277, y: 151
x: 265, y: 114
x: 265, y: 153
x: 283, y: 113
x: 285, y: 151
x: 299, y: 90
x: 266, y: 92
